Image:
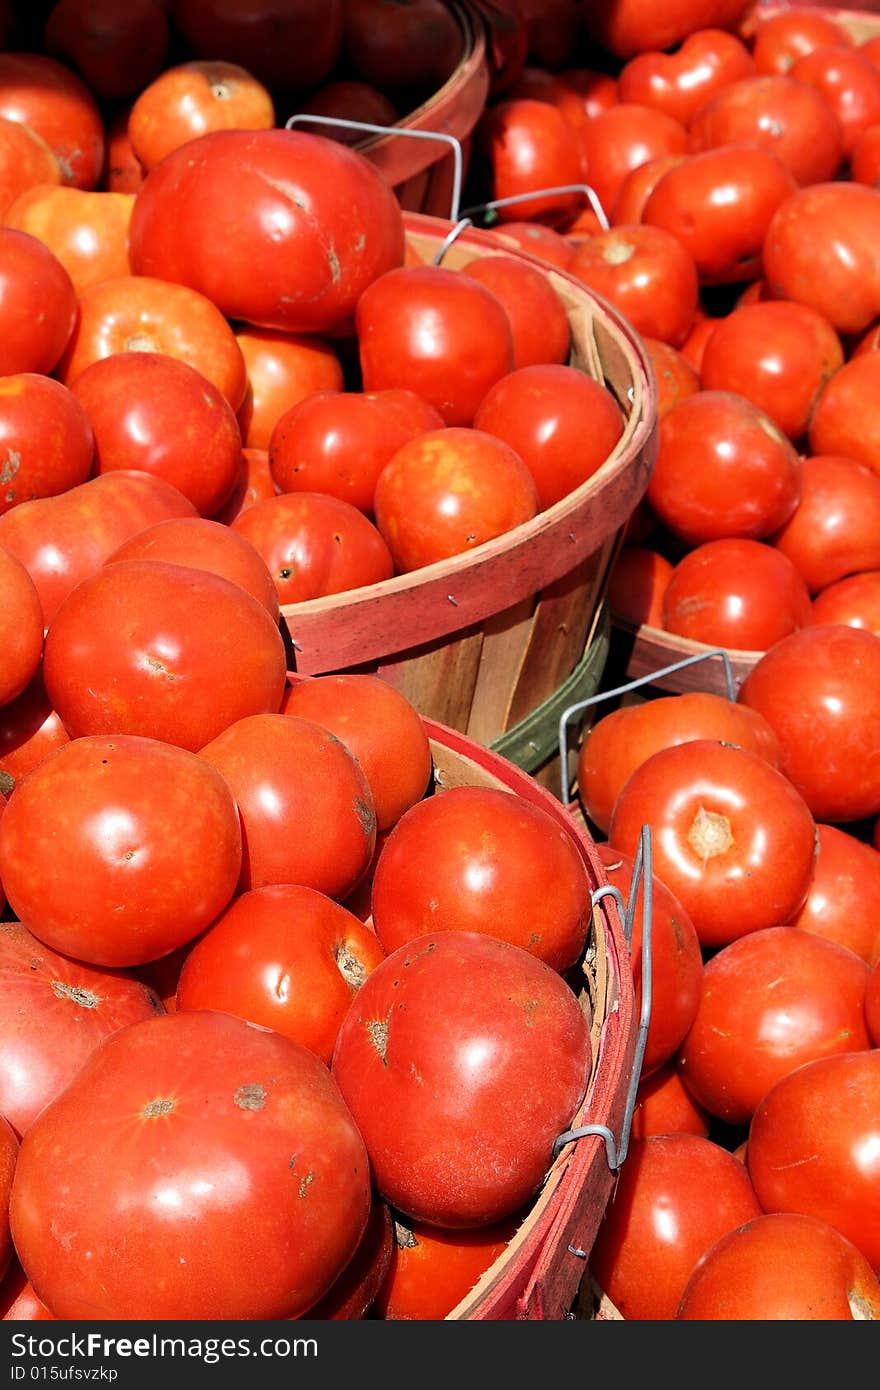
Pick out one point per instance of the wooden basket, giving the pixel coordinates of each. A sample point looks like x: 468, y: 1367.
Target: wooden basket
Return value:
x: 480, y: 641
x: 538, y: 1275
x: 644, y: 650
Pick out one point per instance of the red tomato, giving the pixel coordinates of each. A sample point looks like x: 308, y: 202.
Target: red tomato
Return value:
x: 820, y: 250
x: 645, y: 272
x: 65, y: 538
x: 21, y: 626
x: 499, y: 1042
x: 770, y: 1002
x: 123, y: 171
x: 54, y: 1011
x: 380, y: 726
x: 790, y: 119
x: 135, y: 313
x: 116, y: 48
x: 718, y: 203
x: 781, y: 1267
x: 157, y: 414
x: 843, y: 902
x: 290, y: 772
x: 678, y: 83
x: 230, y: 1141
x: 694, y: 347
x: 291, y: 45
x: 846, y: 418
x: 780, y: 39
x: 286, y: 957
x: 676, y: 1194
x: 723, y: 470
x: 253, y: 484
x: 636, y: 584
x: 282, y: 368
x: 538, y: 321
x: 315, y: 544
x: 620, y: 139
x: 353, y: 1293
x: 638, y: 26
x: 38, y: 304
x: 527, y: 146
x: 835, y: 528
x: 814, y: 1146
x: 479, y: 860
x: 820, y: 690
x: 18, y: 1302
x: 450, y: 490
x: 47, y: 445
x: 561, y: 422
x: 854, y: 601
x: 850, y: 83
x: 552, y: 29
x: 151, y: 851
x: 735, y: 593
x: 674, y: 376
x: 676, y: 962
x: 191, y: 99
x: 864, y: 159
x: 637, y: 187
x: 413, y: 45
x: 29, y: 731
x: 49, y: 97
x: 732, y: 837
x: 778, y: 354
x: 86, y: 231
x: 162, y: 650
x: 538, y: 240
x: 436, y: 332
x: 872, y: 1005
x: 620, y: 741
x: 25, y: 161
x: 664, y: 1105
x: 431, y: 1269
x: 349, y: 99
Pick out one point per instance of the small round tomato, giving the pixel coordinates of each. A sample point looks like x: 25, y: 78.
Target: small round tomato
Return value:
x: 192, y: 98
x: 664, y: 1105
x: 647, y: 273
x: 86, y: 231
x: 21, y: 626
x: 282, y: 368
x: 846, y: 418
x: 780, y: 39
x: 539, y: 240
x: 777, y: 114
x: 735, y: 593
x: 561, y: 422
x: 843, y: 902
x: 38, y: 304
x: 432, y: 1269
x: 733, y: 839
x: 854, y: 601
x: 850, y: 83
x: 526, y: 146
x: 674, y: 376
x: 636, y: 584
x: 835, y: 528
x: 620, y: 139
x: 29, y: 731
x: 47, y: 443
x: 678, y: 83
x: 538, y: 321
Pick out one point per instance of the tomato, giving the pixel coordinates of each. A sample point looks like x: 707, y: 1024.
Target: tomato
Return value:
x: 282, y: 368
x: 676, y: 962
x: 552, y: 28
x: 770, y: 1002
x: 835, y: 528
x: 287, y: 772
x: 86, y: 231
x: 843, y: 901
x: 479, y: 860
x: 449, y: 490
x: 678, y: 83
x: 64, y: 538
x: 620, y: 741
x: 315, y: 544
x: 778, y: 354
x: 675, y: 1195
x: 49, y: 97
x: 820, y: 250
x: 47, y: 444
x: 338, y: 442
x: 561, y: 422
x: 499, y: 1042
x: 299, y: 226
x: 790, y: 119
x: 723, y: 469
x: 735, y: 593
x: 872, y: 1005
x: 21, y: 626
x: 538, y: 240
x: 192, y: 98
x: 526, y: 146
x: 431, y: 1269
x: 645, y: 272
x: 781, y: 39
x: 54, y: 1011
x: 411, y: 46
x: 436, y: 332
x: 781, y: 1267
x: 814, y: 1146
x: 253, y: 484
x: 161, y: 650
x: 206, y: 545
x: 864, y: 159
x: 637, y: 26
x: 820, y: 690
x: 25, y: 161
x: 850, y: 83
x: 380, y: 726
x: 135, y: 313
x: 29, y: 731
x: 674, y: 377
x: 664, y: 1105
x: 286, y: 957
x: 349, y: 99
x: 850, y: 392
x: 854, y: 601
x: 291, y: 45
x: 18, y: 1302
x: 353, y: 1293
x: 733, y: 839
x: 719, y: 203
x: 226, y: 1144
x: 620, y: 139
x: 116, y: 48
x: 694, y: 346
x: 637, y: 187
x: 38, y: 304
x: 122, y: 889
x: 538, y: 321
x: 636, y: 584
x: 154, y: 413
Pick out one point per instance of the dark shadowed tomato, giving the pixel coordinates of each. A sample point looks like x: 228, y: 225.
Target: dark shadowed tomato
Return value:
x: 835, y: 528
x: 843, y: 903
x: 500, y: 1043
x: 47, y: 443
x: 116, y: 48
x: 352, y: 1295
x: 191, y: 99
x: 291, y: 45
x: 29, y: 730
x: 664, y: 1105
x: 636, y: 585
x: 21, y: 626
x: 349, y: 99
x: 432, y: 1269
x: 226, y: 1144
x: 678, y: 83
x: 647, y: 273
x: 151, y: 848
x: 775, y: 113
x: 38, y: 304
x: 8, y: 1158
x: 736, y: 593
x: 18, y: 1302
x: 732, y: 838
x: 54, y: 101
x: 282, y: 368
x: 409, y: 46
